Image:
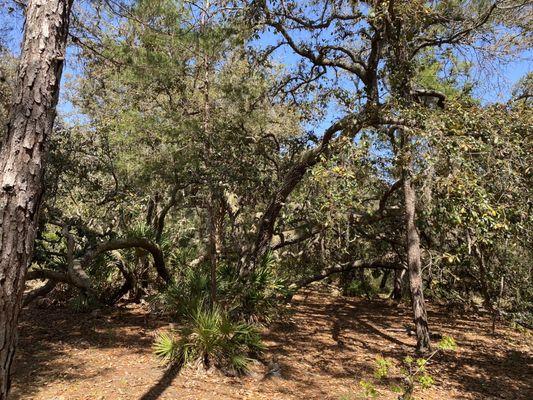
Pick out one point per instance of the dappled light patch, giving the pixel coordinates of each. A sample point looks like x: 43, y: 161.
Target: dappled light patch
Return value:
x: 322, y: 350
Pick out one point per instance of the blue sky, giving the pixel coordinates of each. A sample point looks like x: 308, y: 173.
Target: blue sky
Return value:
x: 495, y: 86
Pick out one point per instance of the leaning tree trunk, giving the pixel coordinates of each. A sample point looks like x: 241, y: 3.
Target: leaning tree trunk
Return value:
x: 308, y: 159
x: 414, y: 267
x: 22, y: 159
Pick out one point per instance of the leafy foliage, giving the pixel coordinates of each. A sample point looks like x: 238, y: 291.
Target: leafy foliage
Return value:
x: 382, y: 368
x: 211, y: 338
x: 189, y: 132
x: 415, y: 371
x: 256, y: 298
x: 185, y: 295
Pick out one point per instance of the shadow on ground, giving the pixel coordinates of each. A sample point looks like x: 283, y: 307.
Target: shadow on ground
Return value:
x: 324, y: 345
x: 346, y: 334
x: 51, y: 341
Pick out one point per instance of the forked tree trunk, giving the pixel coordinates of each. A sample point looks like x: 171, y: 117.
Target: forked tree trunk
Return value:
x: 308, y: 159
x: 22, y: 159
x: 414, y: 267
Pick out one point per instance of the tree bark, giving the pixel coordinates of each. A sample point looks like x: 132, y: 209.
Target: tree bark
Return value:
x: 22, y: 159
x: 212, y: 250
x: 384, y: 279
x: 398, y: 285
x: 414, y: 267
x: 352, y: 123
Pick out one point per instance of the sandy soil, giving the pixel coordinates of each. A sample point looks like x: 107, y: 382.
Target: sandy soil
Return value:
x: 325, y: 346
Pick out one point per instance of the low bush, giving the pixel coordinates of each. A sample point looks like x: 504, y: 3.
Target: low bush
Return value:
x: 211, y: 338
x: 257, y: 296
x: 185, y: 295
x: 415, y: 372
x: 253, y: 298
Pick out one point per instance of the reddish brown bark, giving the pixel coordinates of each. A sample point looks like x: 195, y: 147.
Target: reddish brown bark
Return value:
x: 22, y: 159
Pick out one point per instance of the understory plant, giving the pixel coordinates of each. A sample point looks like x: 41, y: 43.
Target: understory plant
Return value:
x: 211, y: 339
x: 383, y: 367
x: 255, y: 297
x: 415, y: 372
x: 369, y: 390
x: 83, y: 303
x: 186, y: 294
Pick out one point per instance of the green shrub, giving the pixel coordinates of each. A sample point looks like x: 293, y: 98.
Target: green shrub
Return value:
x: 369, y: 391
x: 212, y: 339
x: 358, y: 288
x: 447, y: 343
x: 382, y: 368
x: 185, y: 295
x: 254, y: 298
x: 83, y: 303
x: 415, y: 370
x: 426, y: 381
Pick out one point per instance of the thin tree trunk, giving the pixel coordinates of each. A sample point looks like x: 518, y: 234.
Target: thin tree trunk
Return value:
x: 211, y: 208
x: 487, y: 300
x: 398, y: 284
x: 414, y: 267
x: 384, y: 279
x: 140, y: 275
x: 365, y: 286
x: 212, y: 250
x: 22, y: 159
x: 402, y: 74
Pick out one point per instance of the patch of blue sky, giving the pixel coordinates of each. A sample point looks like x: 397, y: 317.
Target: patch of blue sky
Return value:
x: 494, y: 82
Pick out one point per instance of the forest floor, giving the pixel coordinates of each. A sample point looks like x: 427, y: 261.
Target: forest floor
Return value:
x: 324, y: 347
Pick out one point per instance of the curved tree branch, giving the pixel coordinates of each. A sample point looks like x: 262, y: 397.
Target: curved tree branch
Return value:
x: 76, y: 275
x: 143, y: 243
x: 358, y: 264
x: 350, y: 125
x: 39, y: 292
x: 294, y: 236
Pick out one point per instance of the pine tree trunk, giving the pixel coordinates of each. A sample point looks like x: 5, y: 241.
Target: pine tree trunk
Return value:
x: 414, y: 267
x: 212, y: 250
x: 22, y: 159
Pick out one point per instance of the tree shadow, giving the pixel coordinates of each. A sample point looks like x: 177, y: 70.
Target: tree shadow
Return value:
x: 325, y: 344
x: 47, y: 338
x: 327, y: 339
x: 163, y: 383
x: 340, y: 339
